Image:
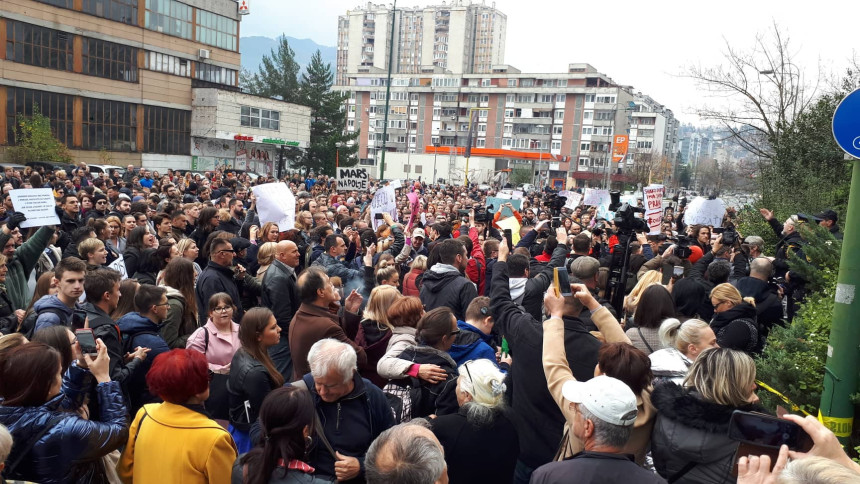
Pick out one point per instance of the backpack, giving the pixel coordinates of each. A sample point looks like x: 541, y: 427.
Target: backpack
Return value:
x: 400, y: 400
x: 28, y: 325
x: 128, y: 340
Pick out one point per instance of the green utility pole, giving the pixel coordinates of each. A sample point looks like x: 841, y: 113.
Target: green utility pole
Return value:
x: 388, y: 90
x: 843, y: 352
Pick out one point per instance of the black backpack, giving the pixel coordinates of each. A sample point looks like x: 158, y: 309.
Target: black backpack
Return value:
x: 128, y: 340
x: 28, y: 325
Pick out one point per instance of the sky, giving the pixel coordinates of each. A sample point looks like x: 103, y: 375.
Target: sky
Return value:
x: 649, y: 45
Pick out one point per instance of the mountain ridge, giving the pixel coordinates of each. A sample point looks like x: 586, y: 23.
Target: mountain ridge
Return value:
x: 254, y: 47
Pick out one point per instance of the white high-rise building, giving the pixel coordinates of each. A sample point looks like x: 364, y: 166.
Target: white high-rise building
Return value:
x: 459, y: 38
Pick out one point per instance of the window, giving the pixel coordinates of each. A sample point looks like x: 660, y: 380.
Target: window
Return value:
x: 156, y: 61
x: 583, y: 162
x: 604, y: 115
x: 510, y: 98
x: 562, y: 83
x: 589, y: 98
x: 525, y: 98
x: 481, y: 143
x: 38, y: 46
x: 509, y: 113
x: 559, y: 114
x: 485, y: 98
x: 56, y: 107
x: 110, y: 125
x: 218, y: 75
x: 586, y: 130
x: 557, y: 129
x: 584, y: 146
x: 508, y: 143
x: 109, y: 60
x: 486, y: 82
x: 482, y: 128
x: 545, y: 98
x: 587, y: 114
x: 260, y: 118
x: 168, y: 16
x: 605, y: 99
x: 217, y: 30
x: 560, y: 98
x: 555, y: 146
x: 508, y: 129
x: 350, y: 123
x: 512, y: 83
x: 124, y: 11
x: 644, y: 144
x: 167, y: 131
x: 527, y: 83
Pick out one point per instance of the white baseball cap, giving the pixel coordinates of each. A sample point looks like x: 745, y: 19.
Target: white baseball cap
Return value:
x: 419, y: 232
x: 609, y: 399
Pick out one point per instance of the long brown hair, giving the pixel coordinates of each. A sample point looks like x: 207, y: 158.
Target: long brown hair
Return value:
x: 179, y: 274
x: 253, y: 324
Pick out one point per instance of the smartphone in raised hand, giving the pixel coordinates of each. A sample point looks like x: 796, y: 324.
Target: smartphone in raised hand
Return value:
x: 561, y: 280
x: 87, y: 341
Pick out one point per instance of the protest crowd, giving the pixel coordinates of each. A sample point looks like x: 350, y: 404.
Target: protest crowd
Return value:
x: 179, y: 327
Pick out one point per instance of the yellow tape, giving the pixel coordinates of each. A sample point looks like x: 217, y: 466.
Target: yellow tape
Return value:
x: 839, y: 426
x: 794, y: 406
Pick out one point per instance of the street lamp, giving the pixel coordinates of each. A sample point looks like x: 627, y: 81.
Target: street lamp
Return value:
x: 540, y: 146
x: 435, y: 152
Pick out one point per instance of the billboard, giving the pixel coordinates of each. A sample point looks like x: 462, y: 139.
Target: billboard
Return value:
x: 619, y: 147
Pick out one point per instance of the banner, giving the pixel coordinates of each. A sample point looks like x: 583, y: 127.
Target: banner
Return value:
x: 276, y: 203
x: 384, y: 201
x: 352, y: 178
x: 573, y: 199
x: 597, y: 197
x: 653, y: 198
x: 497, y: 202
x: 619, y: 147
x: 702, y: 211
x: 37, y: 204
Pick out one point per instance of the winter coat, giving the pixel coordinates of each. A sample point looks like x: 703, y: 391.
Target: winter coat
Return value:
x: 410, y: 283
x: 71, y: 450
x: 138, y: 330
x: 595, y: 468
x: 478, y: 454
x: 249, y: 382
x: 216, y: 278
x: 444, y: 285
x: 390, y: 366
x: 539, y: 282
x: 313, y: 323
x: 8, y: 320
x: 435, y: 398
x: 174, y: 328
x: 22, y: 263
x: 737, y: 328
x: 374, y: 338
x: 280, y: 293
x: 108, y: 331
x: 471, y: 344
x: 51, y: 318
x: 350, y: 424
x: 476, y: 267
x: 691, y: 430
x: 131, y: 257
x: 670, y: 364
x: 180, y: 438
x: 645, y: 340
x: 768, y: 306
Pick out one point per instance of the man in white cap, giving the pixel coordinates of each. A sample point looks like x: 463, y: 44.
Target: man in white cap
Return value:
x: 418, y: 247
x: 605, y: 410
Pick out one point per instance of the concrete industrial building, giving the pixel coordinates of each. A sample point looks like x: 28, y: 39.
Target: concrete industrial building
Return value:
x: 560, y: 123
x: 460, y: 38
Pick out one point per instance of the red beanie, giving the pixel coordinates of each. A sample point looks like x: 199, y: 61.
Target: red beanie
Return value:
x: 696, y: 253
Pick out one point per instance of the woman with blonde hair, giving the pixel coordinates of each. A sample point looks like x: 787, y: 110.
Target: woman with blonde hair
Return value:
x: 480, y: 440
x: 375, y: 329
x: 683, y: 342
x: 387, y: 274
x: 116, y: 233
x: 410, y: 280
x: 632, y: 299
x: 265, y: 257
x: 735, y: 321
x: 690, y: 441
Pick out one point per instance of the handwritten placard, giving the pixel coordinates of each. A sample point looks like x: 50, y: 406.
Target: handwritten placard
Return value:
x: 573, y: 199
x: 705, y: 212
x: 384, y: 201
x: 653, y: 197
x: 352, y: 179
x: 276, y: 203
x: 37, y: 204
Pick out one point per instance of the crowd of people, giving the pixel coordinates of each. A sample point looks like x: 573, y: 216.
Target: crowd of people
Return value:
x: 430, y: 345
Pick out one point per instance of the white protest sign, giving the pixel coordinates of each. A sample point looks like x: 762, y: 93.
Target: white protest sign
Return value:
x: 573, y: 199
x: 384, y: 201
x: 276, y: 203
x: 37, y: 204
x: 395, y: 184
x: 702, y: 211
x: 504, y: 195
x: 596, y: 197
x: 352, y: 179
x: 653, y: 198
x: 119, y: 266
x: 517, y: 195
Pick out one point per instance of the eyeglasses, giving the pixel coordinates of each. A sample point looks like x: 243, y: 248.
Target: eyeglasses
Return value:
x: 229, y: 251
x: 223, y: 309
x: 162, y: 304
x: 101, y: 202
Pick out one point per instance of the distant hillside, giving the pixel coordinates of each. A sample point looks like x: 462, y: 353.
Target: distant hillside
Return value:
x: 254, y: 48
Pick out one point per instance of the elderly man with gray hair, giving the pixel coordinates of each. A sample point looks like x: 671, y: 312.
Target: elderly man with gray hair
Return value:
x: 408, y: 453
x: 351, y: 411
x: 605, y: 411
x: 758, y: 285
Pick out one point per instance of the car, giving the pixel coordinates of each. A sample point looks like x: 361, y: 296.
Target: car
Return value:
x: 50, y: 166
x: 525, y: 188
x: 96, y: 170
x: 14, y: 166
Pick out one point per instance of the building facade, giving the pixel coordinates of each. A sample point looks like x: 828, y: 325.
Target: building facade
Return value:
x: 115, y: 75
x: 562, y: 124
x: 460, y: 38
x: 244, y: 132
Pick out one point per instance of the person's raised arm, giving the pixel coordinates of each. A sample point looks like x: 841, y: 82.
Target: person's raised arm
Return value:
x: 601, y: 317
x: 555, y: 364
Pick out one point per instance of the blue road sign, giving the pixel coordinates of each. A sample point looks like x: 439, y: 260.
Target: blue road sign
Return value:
x: 846, y: 124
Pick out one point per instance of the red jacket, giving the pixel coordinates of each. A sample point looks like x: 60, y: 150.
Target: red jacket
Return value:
x: 476, y: 269
x: 410, y: 286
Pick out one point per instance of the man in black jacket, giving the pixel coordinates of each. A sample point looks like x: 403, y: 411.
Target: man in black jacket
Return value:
x: 768, y: 302
x: 790, y: 242
x: 281, y: 295
x: 539, y: 420
x: 218, y: 276
x: 527, y: 289
x: 444, y: 284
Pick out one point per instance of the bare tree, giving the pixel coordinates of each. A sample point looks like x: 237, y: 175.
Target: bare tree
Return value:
x: 764, y: 88
x: 650, y: 168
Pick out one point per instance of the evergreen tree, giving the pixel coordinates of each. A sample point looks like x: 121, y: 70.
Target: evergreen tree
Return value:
x: 36, y: 142
x: 329, y: 137
x: 277, y: 76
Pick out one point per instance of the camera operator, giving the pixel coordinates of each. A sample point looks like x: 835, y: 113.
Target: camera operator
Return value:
x: 666, y: 262
x: 789, y: 241
x: 714, y: 268
x: 767, y: 294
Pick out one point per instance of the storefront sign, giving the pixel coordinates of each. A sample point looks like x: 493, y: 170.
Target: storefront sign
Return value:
x: 253, y: 138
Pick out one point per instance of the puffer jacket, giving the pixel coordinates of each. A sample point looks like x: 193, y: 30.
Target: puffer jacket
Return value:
x: 690, y: 429
x: 249, y: 382
x: 71, y: 450
x: 471, y: 344
x: 374, y: 338
x: 443, y: 285
x: 768, y: 306
x: 737, y: 328
x: 52, y: 318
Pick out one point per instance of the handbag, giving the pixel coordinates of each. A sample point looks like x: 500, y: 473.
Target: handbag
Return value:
x: 218, y: 403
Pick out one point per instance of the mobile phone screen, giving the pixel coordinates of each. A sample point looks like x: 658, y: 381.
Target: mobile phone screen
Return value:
x: 510, y: 238
x: 561, y: 281
x: 768, y: 431
x: 86, y: 340
x: 79, y: 318
x: 678, y: 271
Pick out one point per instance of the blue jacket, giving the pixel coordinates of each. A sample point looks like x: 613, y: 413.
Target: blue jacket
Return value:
x: 71, y: 450
x: 140, y: 331
x: 350, y: 424
x: 471, y: 344
x: 50, y: 318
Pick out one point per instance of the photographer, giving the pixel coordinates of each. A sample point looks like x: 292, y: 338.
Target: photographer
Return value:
x: 790, y: 241
x: 714, y: 264
x: 767, y: 295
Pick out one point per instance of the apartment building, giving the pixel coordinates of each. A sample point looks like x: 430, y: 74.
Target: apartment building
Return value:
x: 116, y: 75
x: 461, y: 38
x: 560, y: 123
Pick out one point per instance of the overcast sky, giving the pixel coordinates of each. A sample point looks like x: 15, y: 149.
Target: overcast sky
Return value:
x: 639, y: 43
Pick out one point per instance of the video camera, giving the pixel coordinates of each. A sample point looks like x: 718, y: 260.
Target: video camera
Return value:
x: 730, y: 235
x: 682, y: 246
x: 625, y: 215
